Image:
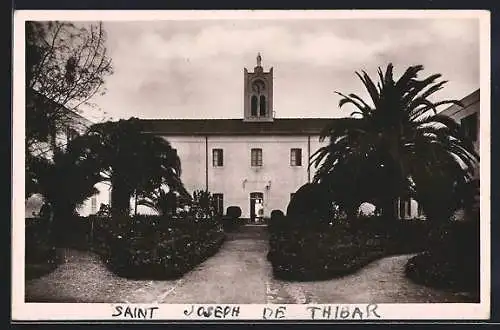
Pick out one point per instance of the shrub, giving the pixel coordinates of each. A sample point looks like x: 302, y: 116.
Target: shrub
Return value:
x: 325, y: 250
x: 309, y: 205
x: 233, y: 212
x: 154, y: 247
x: 452, y: 259
x: 277, y: 214
x: 277, y: 221
x: 232, y: 220
x: 40, y: 252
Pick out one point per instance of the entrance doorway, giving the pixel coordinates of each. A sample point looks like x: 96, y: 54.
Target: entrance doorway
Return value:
x: 256, y: 207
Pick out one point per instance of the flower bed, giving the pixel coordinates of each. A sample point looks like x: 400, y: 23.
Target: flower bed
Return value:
x: 150, y: 247
x: 316, y: 255
x: 452, y: 260
x: 321, y: 251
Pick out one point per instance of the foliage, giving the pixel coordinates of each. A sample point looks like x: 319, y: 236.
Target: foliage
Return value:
x: 54, y: 176
x: 452, y: 260
x: 203, y: 206
x: 325, y: 251
x: 233, y: 212
x: 231, y: 220
x: 157, y: 247
x: 65, y: 67
x: 399, y: 146
x: 163, y: 202
x: 133, y: 162
x: 40, y: 257
x: 309, y: 204
x: 277, y: 213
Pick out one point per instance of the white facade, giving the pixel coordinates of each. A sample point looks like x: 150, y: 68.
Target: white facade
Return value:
x: 236, y: 179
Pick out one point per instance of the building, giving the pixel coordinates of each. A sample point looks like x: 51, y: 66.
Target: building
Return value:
x: 69, y: 125
x: 467, y: 116
x: 260, y: 158
x: 240, y: 161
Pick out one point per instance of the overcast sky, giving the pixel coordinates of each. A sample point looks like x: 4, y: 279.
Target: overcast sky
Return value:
x: 194, y: 69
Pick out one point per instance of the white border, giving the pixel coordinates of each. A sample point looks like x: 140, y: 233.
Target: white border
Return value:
x: 42, y: 311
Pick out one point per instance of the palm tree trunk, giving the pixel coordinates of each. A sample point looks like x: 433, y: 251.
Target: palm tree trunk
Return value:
x: 120, y: 200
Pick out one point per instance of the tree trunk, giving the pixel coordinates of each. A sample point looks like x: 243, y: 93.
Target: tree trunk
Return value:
x: 388, y: 209
x: 120, y: 200
x: 60, y: 226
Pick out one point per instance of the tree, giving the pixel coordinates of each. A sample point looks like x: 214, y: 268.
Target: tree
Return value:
x: 65, y: 67
x: 132, y: 161
x: 164, y: 202
x: 402, y: 141
x: 65, y: 184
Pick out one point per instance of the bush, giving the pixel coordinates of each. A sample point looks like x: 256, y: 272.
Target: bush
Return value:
x: 277, y: 214
x: 233, y: 212
x: 324, y: 250
x: 40, y: 251
x: 231, y: 220
x: 452, y: 260
x: 153, y: 247
x: 309, y: 205
x: 303, y: 255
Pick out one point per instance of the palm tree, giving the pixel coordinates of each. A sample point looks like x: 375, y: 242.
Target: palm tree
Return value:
x: 132, y: 161
x: 402, y: 141
x: 163, y: 202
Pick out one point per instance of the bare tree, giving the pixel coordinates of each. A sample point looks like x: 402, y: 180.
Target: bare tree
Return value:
x: 65, y: 67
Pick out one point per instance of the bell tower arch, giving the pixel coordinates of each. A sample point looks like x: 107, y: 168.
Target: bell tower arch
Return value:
x: 258, y: 93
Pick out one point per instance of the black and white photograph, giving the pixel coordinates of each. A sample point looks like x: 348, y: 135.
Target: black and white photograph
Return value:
x: 249, y: 164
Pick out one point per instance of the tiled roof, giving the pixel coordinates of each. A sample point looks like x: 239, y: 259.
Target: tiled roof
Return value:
x: 280, y: 126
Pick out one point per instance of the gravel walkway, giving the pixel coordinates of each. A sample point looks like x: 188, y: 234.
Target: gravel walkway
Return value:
x: 238, y: 273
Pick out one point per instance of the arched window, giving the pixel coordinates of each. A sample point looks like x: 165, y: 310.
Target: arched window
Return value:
x: 262, y: 105
x: 254, y: 106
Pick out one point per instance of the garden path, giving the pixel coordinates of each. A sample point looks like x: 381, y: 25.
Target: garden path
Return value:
x: 238, y: 273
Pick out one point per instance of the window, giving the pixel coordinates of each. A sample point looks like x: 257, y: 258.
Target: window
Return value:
x: 254, y: 106
x: 262, y: 105
x: 469, y: 126
x: 217, y: 157
x: 256, y: 157
x: 218, y: 200
x: 71, y: 134
x: 296, y: 157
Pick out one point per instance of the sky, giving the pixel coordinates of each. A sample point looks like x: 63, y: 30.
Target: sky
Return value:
x: 194, y: 68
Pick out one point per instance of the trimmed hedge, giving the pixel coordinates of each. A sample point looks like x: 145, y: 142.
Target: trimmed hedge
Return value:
x: 452, y: 260
x: 319, y: 251
x: 233, y: 212
x: 150, y: 247
x: 40, y: 252
x: 232, y: 220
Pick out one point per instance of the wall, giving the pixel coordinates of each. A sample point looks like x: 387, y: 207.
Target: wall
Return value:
x: 103, y: 197
x: 236, y: 179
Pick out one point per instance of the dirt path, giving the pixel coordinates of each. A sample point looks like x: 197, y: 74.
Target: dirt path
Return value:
x: 238, y: 273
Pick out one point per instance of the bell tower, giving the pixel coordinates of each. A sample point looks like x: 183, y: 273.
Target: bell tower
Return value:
x: 258, y: 93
